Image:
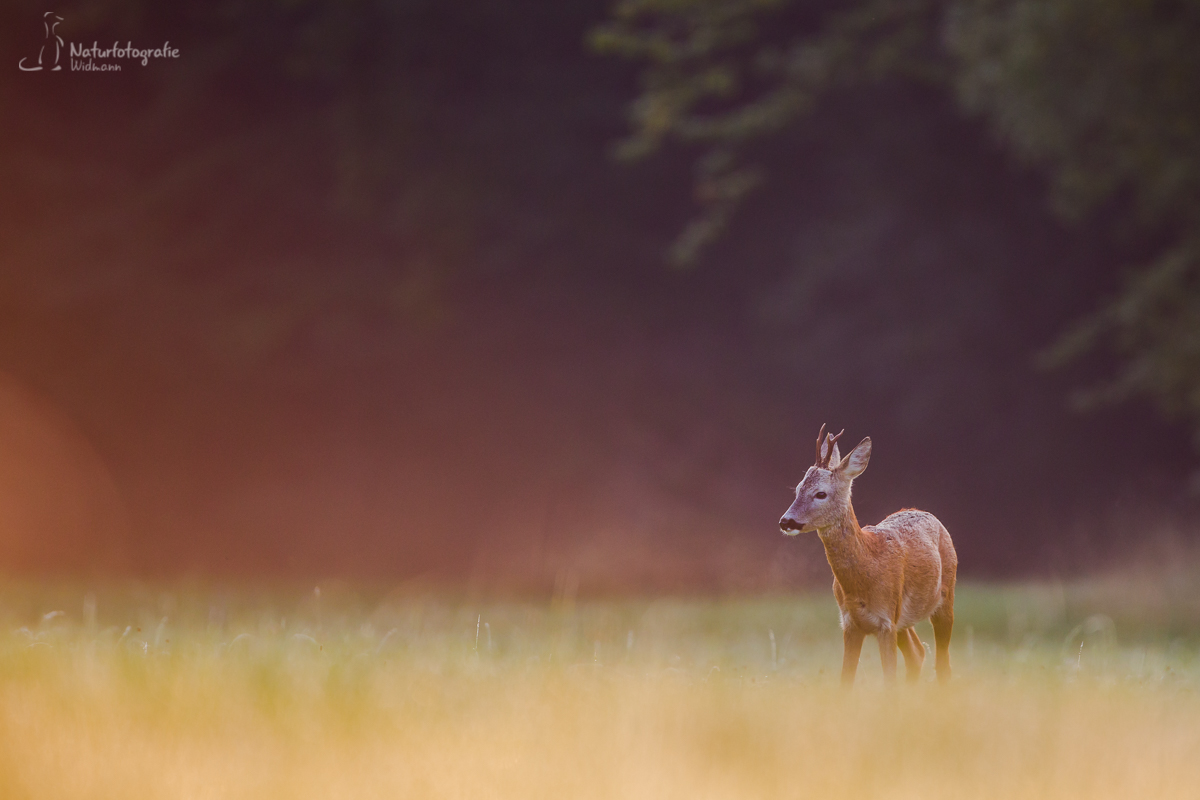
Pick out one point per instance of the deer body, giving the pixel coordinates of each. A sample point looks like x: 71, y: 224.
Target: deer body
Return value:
x: 886, y: 577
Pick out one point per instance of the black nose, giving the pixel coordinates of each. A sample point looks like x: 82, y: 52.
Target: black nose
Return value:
x: 788, y: 524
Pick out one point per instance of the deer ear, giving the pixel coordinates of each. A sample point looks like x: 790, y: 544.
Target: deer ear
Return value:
x: 856, y: 461
x: 835, y: 457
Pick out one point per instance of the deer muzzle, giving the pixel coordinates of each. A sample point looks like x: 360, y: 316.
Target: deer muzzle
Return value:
x: 791, y: 527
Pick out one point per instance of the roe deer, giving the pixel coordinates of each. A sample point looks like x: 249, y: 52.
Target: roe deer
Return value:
x: 886, y: 577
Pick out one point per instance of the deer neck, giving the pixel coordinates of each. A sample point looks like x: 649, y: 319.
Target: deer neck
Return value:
x: 846, y: 549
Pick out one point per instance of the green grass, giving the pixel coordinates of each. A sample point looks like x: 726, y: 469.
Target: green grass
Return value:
x: 1087, y: 689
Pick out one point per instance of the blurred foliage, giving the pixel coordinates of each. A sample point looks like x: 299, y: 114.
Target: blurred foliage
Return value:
x: 367, y: 76
x: 1103, y: 96
x: 354, y: 256
x: 290, y: 133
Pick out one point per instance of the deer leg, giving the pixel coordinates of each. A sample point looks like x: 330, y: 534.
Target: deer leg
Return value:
x: 943, y: 623
x: 913, y: 651
x: 887, y: 653
x: 852, y: 642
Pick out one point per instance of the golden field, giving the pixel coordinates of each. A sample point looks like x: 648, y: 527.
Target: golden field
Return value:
x: 126, y: 690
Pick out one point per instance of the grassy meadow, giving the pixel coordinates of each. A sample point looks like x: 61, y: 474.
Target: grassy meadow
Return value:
x: 1087, y: 689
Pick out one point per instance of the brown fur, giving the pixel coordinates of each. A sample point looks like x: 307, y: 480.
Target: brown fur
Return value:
x: 886, y: 577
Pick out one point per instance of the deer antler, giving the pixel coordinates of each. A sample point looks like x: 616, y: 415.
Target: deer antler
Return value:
x: 830, y: 441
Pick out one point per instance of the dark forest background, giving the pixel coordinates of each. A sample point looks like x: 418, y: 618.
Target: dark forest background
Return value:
x: 361, y: 289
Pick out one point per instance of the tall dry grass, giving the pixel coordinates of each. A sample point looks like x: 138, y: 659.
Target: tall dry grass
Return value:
x: 177, y: 692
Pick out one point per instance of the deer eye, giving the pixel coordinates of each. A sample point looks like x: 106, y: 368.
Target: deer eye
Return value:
x: 819, y: 495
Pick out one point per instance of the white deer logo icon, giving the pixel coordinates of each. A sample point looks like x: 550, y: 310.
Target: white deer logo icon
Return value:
x: 50, y: 21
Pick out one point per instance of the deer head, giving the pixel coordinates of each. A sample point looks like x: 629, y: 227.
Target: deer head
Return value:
x: 823, y: 497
